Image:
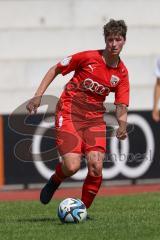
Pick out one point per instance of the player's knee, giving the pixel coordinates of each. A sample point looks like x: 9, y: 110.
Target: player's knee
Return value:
x: 95, y: 171
x: 71, y: 164
x: 95, y: 163
x: 72, y: 169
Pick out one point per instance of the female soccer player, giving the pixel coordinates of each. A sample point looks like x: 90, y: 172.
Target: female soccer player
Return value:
x: 79, y: 114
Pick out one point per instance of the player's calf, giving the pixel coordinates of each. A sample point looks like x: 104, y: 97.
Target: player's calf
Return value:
x: 52, y: 185
x: 90, y: 189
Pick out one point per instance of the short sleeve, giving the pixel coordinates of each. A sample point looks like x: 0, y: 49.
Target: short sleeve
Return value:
x: 157, y: 68
x: 70, y: 63
x: 122, y: 91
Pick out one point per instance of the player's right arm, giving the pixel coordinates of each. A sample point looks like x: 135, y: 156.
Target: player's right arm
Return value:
x: 67, y: 65
x: 155, y: 112
x: 34, y: 103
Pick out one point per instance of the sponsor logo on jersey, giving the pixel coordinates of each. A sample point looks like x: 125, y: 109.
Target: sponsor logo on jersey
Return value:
x: 95, y: 87
x: 66, y: 61
x: 114, y: 80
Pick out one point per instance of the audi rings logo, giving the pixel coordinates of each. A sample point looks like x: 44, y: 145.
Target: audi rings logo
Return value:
x: 94, y: 86
x: 119, y: 166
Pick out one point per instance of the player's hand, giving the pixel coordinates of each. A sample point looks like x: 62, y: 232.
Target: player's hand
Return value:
x: 156, y: 115
x: 33, y: 104
x: 121, y: 133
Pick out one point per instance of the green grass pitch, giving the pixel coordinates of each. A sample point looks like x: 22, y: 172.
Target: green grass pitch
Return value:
x: 135, y: 217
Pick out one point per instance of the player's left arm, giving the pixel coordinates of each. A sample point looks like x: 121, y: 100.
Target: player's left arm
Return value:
x: 121, y: 115
x: 122, y: 93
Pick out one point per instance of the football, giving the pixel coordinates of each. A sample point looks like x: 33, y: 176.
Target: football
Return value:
x: 72, y: 210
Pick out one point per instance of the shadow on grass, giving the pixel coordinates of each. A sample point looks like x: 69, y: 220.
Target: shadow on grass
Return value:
x: 38, y: 220
x: 28, y: 220
x: 35, y: 220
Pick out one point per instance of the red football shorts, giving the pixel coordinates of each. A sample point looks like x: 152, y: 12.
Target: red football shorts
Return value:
x: 80, y: 136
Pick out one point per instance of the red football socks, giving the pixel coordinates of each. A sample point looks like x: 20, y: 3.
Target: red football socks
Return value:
x: 59, y: 176
x: 90, y: 189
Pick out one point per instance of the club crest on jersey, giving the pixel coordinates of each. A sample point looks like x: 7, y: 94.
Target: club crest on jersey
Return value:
x: 66, y: 61
x: 114, y: 80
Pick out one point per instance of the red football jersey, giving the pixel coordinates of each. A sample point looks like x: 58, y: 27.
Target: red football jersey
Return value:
x: 93, y: 80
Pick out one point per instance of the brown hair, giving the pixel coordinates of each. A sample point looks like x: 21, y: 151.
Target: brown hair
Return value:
x: 115, y: 27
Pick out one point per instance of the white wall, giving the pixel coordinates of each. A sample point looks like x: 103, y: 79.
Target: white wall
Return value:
x: 35, y: 34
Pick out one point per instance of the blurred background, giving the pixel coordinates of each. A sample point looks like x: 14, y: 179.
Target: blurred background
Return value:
x: 36, y: 34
